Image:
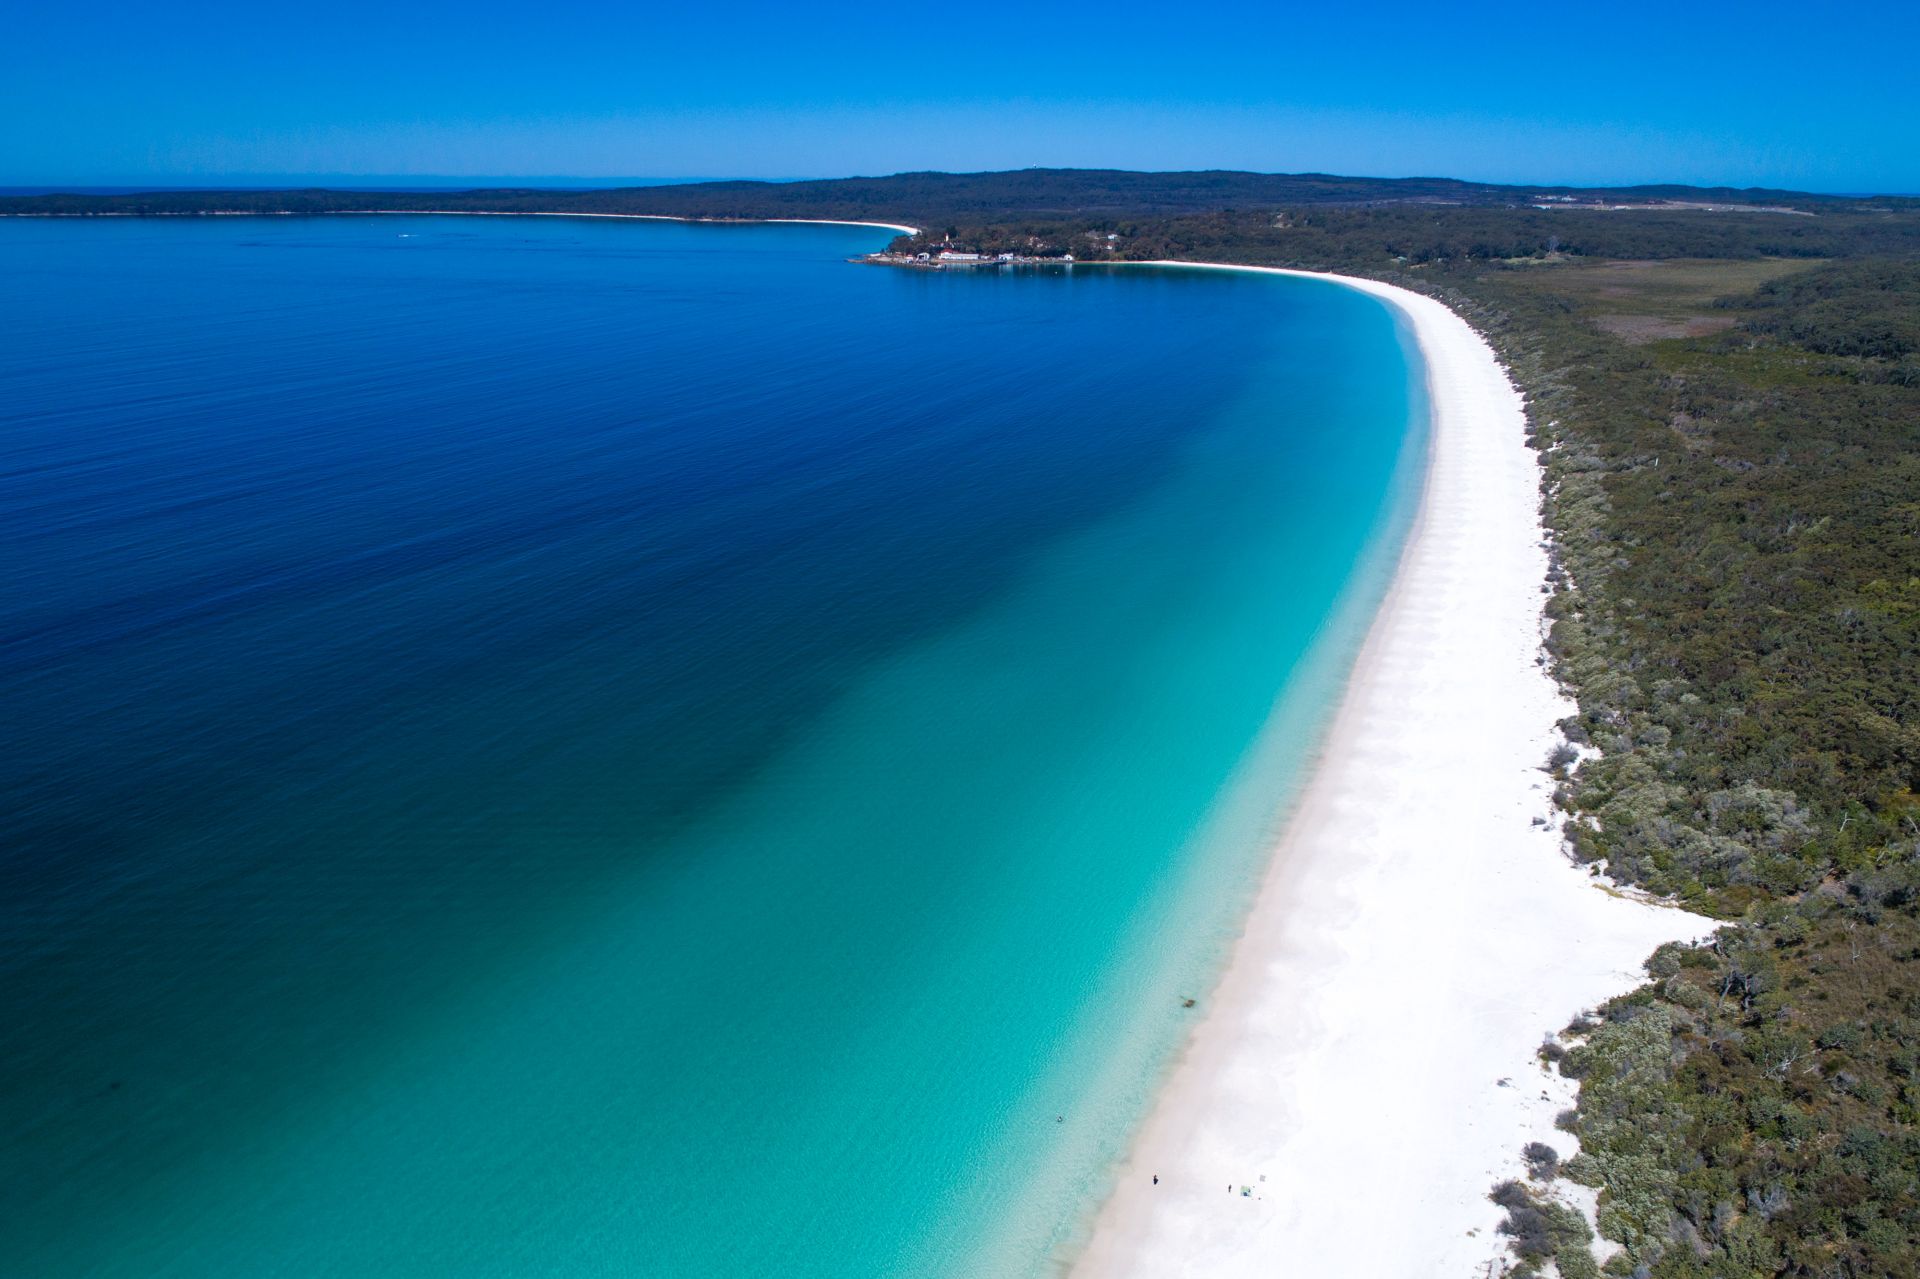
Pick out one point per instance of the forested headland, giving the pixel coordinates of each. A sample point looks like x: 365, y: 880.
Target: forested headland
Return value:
x: 1725, y: 389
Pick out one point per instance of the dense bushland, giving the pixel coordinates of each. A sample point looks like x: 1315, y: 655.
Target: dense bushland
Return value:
x: 1739, y: 514
x: 1737, y: 608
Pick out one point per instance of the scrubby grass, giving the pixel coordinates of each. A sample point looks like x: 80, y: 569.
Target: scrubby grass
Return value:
x: 1671, y: 288
x: 1544, y: 1230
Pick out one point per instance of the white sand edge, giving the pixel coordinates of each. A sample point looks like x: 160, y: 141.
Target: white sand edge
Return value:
x: 631, y: 217
x: 1416, y: 934
x: 642, y: 217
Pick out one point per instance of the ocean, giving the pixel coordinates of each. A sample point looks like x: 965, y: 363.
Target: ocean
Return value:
x: 585, y: 747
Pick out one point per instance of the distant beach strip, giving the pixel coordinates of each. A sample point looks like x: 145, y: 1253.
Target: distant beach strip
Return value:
x: 631, y: 217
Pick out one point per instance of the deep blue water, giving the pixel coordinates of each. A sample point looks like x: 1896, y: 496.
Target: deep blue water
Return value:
x: 582, y: 747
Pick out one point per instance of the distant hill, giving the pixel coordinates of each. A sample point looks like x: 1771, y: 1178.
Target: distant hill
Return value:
x: 926, y: 198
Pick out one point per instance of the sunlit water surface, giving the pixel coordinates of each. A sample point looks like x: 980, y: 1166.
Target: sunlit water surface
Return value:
x: 543, y: 746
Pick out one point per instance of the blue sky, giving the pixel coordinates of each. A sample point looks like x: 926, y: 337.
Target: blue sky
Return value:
x: 1750, y: 94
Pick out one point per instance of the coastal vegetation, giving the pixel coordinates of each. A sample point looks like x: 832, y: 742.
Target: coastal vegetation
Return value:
x: 929, y: 199
x: 1737, y: 608
x: 1725, y: 389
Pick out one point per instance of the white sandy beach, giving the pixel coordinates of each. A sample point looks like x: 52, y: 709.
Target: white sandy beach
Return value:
x: 1367, y: 1063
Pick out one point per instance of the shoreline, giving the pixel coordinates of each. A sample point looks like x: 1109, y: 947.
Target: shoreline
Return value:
x: 548, y: 213
x: 1365, y: 1063
x: 478, y: 213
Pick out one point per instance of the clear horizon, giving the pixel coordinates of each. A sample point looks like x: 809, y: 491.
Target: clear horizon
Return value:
x: 455, y: 182
x: 216, y: 93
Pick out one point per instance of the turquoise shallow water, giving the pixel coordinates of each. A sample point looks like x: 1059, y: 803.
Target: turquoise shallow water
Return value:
x: 564, y: 747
